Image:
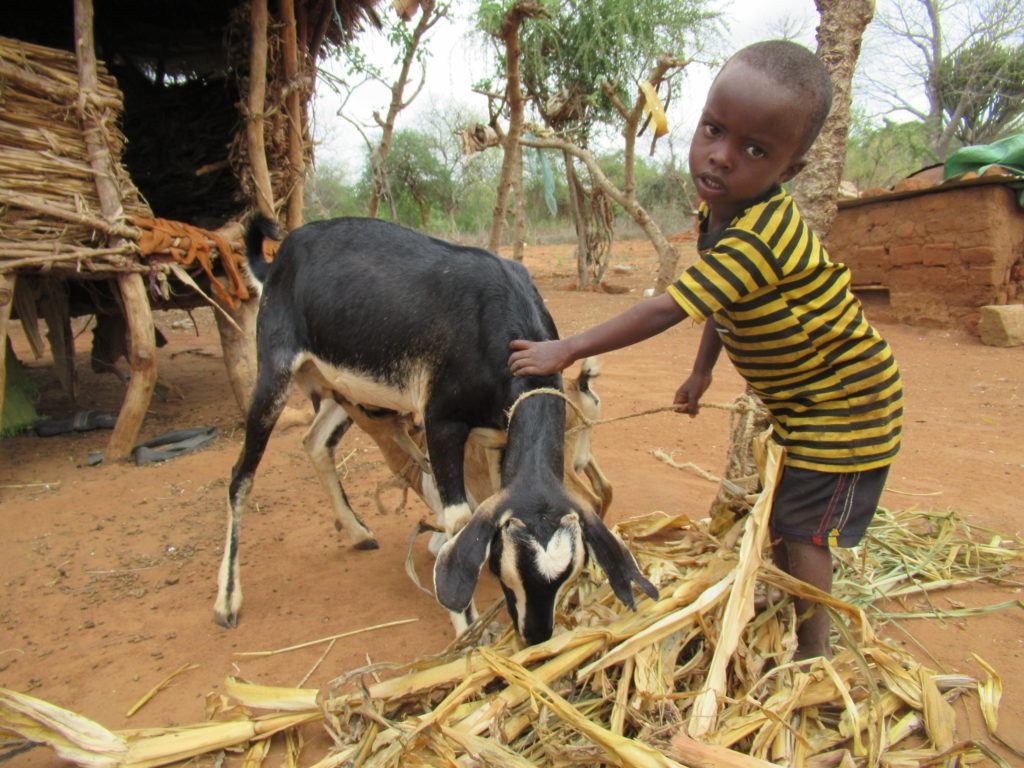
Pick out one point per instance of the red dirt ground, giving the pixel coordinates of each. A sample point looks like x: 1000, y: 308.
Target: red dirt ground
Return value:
x: 108, y: 573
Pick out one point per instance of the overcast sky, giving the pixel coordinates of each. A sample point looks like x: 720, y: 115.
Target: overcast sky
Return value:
x: 457, y: 60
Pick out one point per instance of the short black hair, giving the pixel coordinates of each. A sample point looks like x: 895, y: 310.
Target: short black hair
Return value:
x: 794, y: 67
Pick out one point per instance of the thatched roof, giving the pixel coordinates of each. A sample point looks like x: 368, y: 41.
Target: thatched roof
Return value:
x: 175, y: 120
x: 178, y: 38
x: 183, y: 69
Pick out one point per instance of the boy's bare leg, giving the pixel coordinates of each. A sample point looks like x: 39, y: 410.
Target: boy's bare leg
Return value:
x: 779, y: 554
x: 813, y: 564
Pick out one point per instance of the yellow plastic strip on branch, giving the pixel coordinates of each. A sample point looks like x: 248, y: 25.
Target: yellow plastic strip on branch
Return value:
x: 990, y: 693
x: 653, y: 107
x: 158, y: 687
x: 271, y: 697
x: 621, y: 750
x: 740, y: 607
x: 72, y: 737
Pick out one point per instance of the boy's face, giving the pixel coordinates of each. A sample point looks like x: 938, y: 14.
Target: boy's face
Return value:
x: 748, y: 140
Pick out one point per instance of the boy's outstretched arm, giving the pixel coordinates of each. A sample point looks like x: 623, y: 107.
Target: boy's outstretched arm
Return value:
x: 690, y: 391
x: 646, y: 319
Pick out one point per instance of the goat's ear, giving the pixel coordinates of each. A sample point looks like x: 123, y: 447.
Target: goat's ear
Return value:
x: 616, y: 560
x: 458, y: 564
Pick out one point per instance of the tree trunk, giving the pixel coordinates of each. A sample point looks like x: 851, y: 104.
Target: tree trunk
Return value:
x: 579, y: 220
x: 667, y: 256
x: 839, y: 39
x: 521, y: 10
x: 133, y: 292
x: 380, y: 187
x: 519, y: 220
x: 600, y: 235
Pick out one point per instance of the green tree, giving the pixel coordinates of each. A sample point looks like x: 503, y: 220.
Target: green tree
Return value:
x: 422, y: 186
x: 981, y: 89
x: 406, y: 40
x: 329, y: 194
x: 471, y: 202
x: 940, y: 60
x: 582, y: 68
x: 878, y: 156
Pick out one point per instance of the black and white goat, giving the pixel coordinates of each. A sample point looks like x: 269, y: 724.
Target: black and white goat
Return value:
x: 363, y: 313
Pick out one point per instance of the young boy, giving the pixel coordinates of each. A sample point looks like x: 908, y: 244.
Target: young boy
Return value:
x: 784, y: 313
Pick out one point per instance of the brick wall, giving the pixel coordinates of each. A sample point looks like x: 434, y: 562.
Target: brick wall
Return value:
x: 941, y: 255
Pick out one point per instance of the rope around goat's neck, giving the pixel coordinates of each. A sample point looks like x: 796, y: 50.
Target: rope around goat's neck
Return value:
x: 743, y: 406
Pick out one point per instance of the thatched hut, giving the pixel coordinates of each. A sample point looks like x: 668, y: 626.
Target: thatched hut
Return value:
x: 134, y: 138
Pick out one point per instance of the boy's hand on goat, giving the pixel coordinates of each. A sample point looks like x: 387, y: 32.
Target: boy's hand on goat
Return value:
x: 688, y: 395
x: 538, y: 358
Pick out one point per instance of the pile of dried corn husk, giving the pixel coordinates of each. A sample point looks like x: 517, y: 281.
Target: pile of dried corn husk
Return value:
x: 631, y: 688
x: 49, y: 206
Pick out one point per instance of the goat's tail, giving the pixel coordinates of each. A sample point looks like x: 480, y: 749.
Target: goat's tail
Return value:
x: 258, y: 229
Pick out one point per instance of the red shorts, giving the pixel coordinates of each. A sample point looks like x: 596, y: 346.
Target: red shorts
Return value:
x: 826, y: 508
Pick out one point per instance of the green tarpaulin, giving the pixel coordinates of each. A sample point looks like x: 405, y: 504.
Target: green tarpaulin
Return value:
x: 1006, y: 153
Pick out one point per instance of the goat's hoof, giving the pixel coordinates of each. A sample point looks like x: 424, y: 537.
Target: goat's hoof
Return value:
x: 368, y: 544
x: 226, y: 620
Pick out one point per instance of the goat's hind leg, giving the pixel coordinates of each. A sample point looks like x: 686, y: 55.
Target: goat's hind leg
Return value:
x: 329, y: 425
x: 268, y: 399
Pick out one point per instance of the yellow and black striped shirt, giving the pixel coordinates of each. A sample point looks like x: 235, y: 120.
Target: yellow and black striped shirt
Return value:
x: 793, y: 328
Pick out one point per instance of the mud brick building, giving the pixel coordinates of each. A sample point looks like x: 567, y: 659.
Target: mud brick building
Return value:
x: 933, y: 255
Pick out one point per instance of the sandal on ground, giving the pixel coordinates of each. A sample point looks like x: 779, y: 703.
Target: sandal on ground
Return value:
x: 83, y: 421
x: 172, y: 444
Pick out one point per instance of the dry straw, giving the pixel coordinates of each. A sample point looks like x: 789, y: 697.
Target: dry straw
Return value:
x: 49, y: 206
x: 703, y: 676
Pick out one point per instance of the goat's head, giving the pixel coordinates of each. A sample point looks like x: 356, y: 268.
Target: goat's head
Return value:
x: 535, y: 547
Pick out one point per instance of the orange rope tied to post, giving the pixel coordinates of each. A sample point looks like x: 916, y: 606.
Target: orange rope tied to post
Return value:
x: 188, y: 244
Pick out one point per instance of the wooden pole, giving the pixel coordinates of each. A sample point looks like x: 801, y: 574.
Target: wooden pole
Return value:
x: 257, y: 103
x: 293, y: 104
x: 239, y: 348
x: 137, y: 311
x: 7, y: 281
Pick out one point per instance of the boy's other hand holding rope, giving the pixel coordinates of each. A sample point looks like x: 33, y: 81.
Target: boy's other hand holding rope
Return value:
x: 687, y: 399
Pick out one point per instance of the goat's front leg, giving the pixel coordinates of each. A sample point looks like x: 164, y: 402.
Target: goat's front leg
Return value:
x: 268, y: 399
x: 329, y: 425
x: 446, y: 443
